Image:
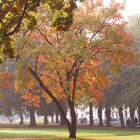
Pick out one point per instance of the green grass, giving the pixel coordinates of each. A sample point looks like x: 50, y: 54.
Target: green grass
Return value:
x: 62, y: 134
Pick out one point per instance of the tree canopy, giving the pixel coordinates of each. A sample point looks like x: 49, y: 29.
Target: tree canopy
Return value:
x: 17, y: 14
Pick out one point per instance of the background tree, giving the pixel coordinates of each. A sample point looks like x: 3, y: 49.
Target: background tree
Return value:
x: 11, y: 104
x: 113, y: 97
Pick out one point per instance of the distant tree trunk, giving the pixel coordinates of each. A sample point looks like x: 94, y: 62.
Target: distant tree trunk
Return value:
x: 132, y: 117
x: 100, y: 115
x: 108, y: 116
x: 121, y: 116
x: 139, y: 113
x: 32, y: 117
x: 52, y: 117
x: 62, y: 121
x: 21, y: 117
x: 91, y: 113
x: 45, y: 118
x: 64, y: 105
x: 57, y: 117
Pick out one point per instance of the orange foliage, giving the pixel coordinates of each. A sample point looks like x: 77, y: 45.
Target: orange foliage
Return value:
x: 41, y: 59
x: 6, y: 79
x: 31, y: 99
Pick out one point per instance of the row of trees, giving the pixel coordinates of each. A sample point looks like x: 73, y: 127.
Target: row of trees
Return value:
x: 123, y: 92
x: 13, y: 105
x: 64, y: 63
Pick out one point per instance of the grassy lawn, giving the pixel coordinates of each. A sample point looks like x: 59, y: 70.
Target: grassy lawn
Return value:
x: 62, y: 134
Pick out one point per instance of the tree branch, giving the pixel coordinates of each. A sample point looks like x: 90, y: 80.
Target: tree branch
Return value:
x: 46, y: 38
x: 49, y: 94
x: 74, y: 84
x: 20, y: 19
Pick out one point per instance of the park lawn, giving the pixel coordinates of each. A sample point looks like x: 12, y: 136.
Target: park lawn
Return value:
x: 62, y: 134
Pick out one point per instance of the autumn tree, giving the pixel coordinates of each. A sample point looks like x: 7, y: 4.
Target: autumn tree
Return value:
x: 124, y: 90
x: 112, y: 98
x: 67, y: 65
x: 131, y: 93
x: 10, y: 103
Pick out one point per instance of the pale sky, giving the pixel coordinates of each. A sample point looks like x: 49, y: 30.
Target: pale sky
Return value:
x: 132, y: 7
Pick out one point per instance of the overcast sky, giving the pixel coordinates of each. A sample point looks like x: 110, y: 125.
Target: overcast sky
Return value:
x: 132, y: 7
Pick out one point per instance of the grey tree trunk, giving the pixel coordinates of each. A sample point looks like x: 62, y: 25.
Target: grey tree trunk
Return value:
x: 21, y: 117
x: 57, y: 117
x: 91, y: 113
x: 52, y: 118
x: 100, y: 116
x: 121, y: 117
x: 139, y: 114
x: 108, y: 116
x: 32, y: 117
x: 73, y: 126
x: 45, y: 118
x: 132, y: 117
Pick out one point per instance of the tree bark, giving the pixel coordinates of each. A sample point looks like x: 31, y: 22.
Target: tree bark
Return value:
x: 91, y: 113
x: 71, y: 103
x: 64, y: 106
x: 72, y: 131
x: 121, y: 116
x: 21, y: 117
x: 132, y: 117
x: 108, y: 116
x: 32, y: 117
x: 62, y: 121
x: 100, y: 116
x: 45, y: 118
x: 73, y: 126
x: 57, y: 117
x: 52, y: 117
x: 139, y: 113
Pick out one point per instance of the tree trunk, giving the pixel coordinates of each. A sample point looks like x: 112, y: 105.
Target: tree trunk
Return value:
x: 72, y: 131
x: 72, y: 128
x: 21, y: 117
x: 132, y: 117
x: 121, y: 116
x: 45, y: 118
x: 32, y: 117
x: 62, y: 121
x: 52, y: 118
x: 139, y: 113
x: 100, y: 116
x: 108, y: 116
x: 91, y: 113
x: 57, y: 117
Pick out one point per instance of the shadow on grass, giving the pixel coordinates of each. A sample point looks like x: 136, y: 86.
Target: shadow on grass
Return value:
x: 65, y: 139
x: 33, y: 137
x: 132, y: 134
